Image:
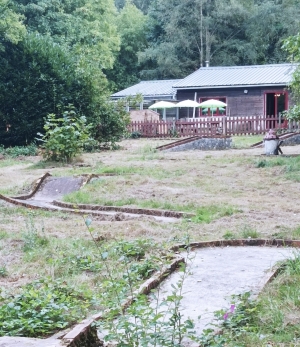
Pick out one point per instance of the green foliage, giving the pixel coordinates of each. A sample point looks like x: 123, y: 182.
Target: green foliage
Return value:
x: 292, y: 114
x: 32, y: 238
x: 131, y: 24
x: 135, y: 249
x: 65, y: 137
x: 40, y: 309
x: 223, y: 32
x: 11, y: 27
x: 232, y: 324
x: 135, y: 135
x: 30, y: 150
x: 3, y: 271
x: 37, y: 78
x: 206, y: 214
x: 292, y: 46
x: 111, y: 123
x: 229, y: 235
x: 248, y: 232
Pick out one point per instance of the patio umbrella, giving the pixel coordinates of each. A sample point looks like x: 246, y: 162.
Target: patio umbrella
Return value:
x: 212, y: 103
x: 163, y: 105
x: 187, y: 103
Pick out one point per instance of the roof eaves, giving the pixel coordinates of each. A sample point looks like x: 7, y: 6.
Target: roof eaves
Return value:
x: 234, y: 86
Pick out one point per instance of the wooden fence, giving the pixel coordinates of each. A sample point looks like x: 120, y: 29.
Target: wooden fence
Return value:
x: 210, y: 126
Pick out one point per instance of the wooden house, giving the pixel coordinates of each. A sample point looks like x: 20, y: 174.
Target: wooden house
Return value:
x: 256, y: 90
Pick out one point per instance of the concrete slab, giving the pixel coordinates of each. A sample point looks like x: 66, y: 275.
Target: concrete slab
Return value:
x: 218, y: 273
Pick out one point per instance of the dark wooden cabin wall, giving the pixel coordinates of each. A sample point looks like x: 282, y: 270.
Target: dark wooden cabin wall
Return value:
x: 238, y: 102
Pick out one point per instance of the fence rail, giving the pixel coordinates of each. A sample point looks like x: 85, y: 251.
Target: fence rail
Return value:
x: 211, y: 126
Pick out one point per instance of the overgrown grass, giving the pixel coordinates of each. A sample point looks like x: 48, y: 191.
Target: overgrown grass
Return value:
x: 290, y: 165
x: 73, y: 278
x: 271, y: 320
x: 204, y: 214
x: 245, y: 141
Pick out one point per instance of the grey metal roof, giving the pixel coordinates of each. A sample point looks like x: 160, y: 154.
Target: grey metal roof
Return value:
x: 157, y: 88
x: 235, y: 76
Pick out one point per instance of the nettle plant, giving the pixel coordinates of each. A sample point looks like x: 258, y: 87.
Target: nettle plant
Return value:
x: 65, y: 137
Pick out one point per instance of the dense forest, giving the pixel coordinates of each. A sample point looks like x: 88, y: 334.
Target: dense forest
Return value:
x: 59, y: 52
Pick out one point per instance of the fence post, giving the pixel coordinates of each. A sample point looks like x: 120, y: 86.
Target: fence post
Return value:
x: 224, y: 125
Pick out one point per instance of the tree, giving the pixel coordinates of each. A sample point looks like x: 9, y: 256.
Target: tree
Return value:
x: 11, y: 26
x: 85, y: 27
x: 39, y: 77
x: 131, y: 24
x: 59, y: 62
x: 182, y: 35
x: 292, y: 47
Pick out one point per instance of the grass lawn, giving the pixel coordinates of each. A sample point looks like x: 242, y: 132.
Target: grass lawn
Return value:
x: 78, y: 265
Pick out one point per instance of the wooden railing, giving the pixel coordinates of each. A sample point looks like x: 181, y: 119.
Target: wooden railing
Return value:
x: 210, y: 126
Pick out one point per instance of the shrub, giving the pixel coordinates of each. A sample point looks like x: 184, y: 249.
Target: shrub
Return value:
x: 16, y: 151
x: 65, y: 137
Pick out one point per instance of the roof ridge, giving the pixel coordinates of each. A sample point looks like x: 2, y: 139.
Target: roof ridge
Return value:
x: 159, y: 81
x: 244, y: 66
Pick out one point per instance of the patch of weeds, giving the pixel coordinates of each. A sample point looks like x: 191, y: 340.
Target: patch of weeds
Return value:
x: 296, y: 233
x: 132, y: 249
x: 3, y: 234
x: 41, y: 308
x: 135, y: 135
x: 231, y: 323
x: 229, y: 235
x: 13, y: 152
x: 248, y: 232
x: 32, y: 238
x: 279, y: 235
x: 83, y: 263
x: 158, y: 324
x: 3, y: 271
x: 207, y: 214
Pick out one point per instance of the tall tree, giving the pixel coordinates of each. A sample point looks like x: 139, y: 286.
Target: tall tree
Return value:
x: 86, y: 27
x: 131, y: 23
x: 11, y: 26
x: 226, y: 32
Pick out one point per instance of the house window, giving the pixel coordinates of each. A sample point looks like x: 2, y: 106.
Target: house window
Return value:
x: 275, y: 102
x: 219, y: 111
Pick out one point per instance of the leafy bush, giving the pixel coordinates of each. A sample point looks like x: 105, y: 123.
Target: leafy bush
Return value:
x: 65, y: 137
x: 135, y: 135
x: 30, y: 150
x: 41, y: 308
x: 36, y: 77
x: 293, y: 114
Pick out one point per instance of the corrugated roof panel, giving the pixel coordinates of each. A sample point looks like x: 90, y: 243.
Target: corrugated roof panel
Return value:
x: 149, y: 88
x: 215, y: 76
